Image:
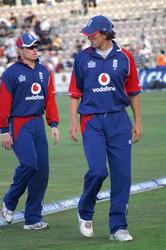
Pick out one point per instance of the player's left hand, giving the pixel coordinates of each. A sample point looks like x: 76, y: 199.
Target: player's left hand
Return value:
x: 55, y: 134
x: 136, y: 132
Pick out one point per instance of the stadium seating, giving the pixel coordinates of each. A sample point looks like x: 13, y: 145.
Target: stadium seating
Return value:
x: 131, y: 18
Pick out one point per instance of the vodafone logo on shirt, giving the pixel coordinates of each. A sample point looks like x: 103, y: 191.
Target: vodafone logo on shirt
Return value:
x: 104, y: 80
x: 35, y: 89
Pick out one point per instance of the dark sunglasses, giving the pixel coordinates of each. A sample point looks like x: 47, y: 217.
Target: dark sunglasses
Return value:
x: 32, y: 47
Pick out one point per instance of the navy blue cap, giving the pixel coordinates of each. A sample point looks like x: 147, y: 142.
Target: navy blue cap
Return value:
x: 97, y: 24
x: 26, y: 40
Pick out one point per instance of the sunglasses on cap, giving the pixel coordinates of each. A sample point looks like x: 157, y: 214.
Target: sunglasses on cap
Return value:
x: 32, y: 47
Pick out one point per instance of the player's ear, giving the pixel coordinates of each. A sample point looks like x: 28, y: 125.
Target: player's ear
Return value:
x: 19, y: 49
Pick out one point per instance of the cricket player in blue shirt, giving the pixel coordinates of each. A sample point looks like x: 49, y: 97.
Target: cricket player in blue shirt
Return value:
x: 103, y: 84
x: 26, y: 93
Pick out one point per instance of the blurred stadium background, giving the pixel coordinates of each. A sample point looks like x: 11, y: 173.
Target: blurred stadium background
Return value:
x: 137, y: 24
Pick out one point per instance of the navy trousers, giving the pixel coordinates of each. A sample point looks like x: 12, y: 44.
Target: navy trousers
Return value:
x: 107, y: 138
x: 31, y: 149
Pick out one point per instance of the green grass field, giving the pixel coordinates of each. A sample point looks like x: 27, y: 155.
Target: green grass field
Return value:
x: 147, y: 211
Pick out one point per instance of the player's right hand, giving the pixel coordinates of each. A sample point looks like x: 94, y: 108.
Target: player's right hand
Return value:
x: 6, y: 141
x: 74, y: 131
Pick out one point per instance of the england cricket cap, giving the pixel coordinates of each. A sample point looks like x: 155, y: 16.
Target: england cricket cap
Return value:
x: 97, y: 24
x: 26, y: 40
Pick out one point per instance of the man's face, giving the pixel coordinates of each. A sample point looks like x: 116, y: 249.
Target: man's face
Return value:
x: 98, y: 40
x: 29, y: 53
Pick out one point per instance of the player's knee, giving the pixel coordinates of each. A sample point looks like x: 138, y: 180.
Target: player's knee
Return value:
x: 100, y: 175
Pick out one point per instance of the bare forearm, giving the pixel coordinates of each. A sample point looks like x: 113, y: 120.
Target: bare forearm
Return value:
x: 137, y: 128
x: 136, y: 108
x: 74, y: 126
x: 73, y: 107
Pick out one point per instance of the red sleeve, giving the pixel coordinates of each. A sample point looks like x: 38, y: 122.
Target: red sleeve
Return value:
x: 132, y: 85
x: 5, y: 106
x: 73, y: 90
x: 52, y: 114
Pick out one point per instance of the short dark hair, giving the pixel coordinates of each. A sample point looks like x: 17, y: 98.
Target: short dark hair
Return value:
x: 109, y: 35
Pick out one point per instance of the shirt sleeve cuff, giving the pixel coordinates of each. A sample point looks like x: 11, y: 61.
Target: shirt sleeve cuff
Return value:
x: 4, y: 130
x: 53, y: 124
